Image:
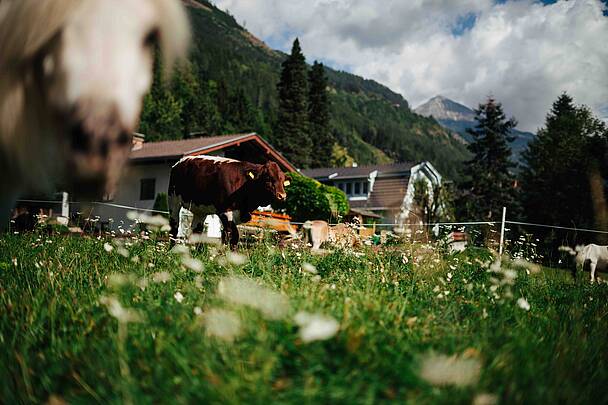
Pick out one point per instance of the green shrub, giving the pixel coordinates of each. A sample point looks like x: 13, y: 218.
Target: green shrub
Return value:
x: 338, y: 202
x: 309, y: 199
x: 161, y: 203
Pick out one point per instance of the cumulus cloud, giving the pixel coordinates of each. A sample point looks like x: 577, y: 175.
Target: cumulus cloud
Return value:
x: 522, y: 52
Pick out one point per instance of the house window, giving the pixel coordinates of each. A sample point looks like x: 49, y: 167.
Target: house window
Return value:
x: 147, y: 189
x: 354, y: 188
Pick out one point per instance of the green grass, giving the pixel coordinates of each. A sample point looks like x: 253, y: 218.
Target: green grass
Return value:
x: 56, y: 338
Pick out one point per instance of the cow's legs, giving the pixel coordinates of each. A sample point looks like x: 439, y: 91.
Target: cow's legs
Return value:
x: 234, y: 235
x: 226, y: 229
x: 173, y: 223
x: 175, y: 204
x: 592, y: 266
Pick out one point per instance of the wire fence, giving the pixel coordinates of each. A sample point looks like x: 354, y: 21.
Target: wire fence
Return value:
x: 378, y: 225
x: 99, y: 203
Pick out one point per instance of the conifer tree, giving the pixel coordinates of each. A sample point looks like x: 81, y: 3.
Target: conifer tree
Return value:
x: 292, y: 137
x: 161, y: 112
x: 561, y: 165
x: 318, y: 117
x: 489, y: 183
x: 186, y: 89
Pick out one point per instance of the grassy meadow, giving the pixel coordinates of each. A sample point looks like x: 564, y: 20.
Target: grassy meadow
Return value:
x: 98, y: 320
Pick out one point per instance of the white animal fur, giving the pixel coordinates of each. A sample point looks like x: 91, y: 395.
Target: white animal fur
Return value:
x: 216, y: 159
x: 596, y: 256
x: 75, y: 59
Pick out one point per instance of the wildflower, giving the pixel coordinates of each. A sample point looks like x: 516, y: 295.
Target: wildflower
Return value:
x: 315, y: 326
x: 243, y: 291
x: 236, y: 258
x: 197, y: 238
x: 161, y: 277
x: 122, y: 251
x: 523, y: 304
x: 154, y: 220
x: 142, y: 283
x: 15, y: 261
x: 440, y: 370
x: 198, y: 311
x: 222, y: 324
x: 193, y: 264
x: 530, y: 267
x: 178, y: 297
x: 122, y: 314
x: 118, y: 280
x: 180, y: 250
x: 485, y: 399
x: 107, y: 247
x: 509, y: 276
x: 309, y: 268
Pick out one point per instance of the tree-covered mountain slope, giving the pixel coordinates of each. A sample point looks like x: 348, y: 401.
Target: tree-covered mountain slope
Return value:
x: 370, y: 123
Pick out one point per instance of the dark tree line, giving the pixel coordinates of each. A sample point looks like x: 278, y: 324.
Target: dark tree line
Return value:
x: 563, y: 180
x: 190, y: 104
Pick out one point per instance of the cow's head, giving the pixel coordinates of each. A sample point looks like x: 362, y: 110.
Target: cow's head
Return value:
x: 273, y: 180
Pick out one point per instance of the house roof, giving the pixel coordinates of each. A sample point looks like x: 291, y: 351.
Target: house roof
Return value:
x: 388, y: 193
x: 389, y: 189
x: 173, y: 150
x: 182, y: 147
x: 358, y: 172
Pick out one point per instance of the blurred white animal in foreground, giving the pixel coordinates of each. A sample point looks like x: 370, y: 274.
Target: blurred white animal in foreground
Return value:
x: 73, y: 74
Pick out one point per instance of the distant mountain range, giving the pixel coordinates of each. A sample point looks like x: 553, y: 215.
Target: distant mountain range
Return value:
x: 458, y: 118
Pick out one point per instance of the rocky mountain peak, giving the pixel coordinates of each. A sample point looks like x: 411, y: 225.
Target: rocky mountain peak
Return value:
x: 442, y: 108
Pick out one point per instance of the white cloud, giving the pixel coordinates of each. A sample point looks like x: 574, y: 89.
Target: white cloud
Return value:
x: 522, y: 52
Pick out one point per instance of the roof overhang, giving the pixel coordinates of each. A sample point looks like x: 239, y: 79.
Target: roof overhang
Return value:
x: 253, y: 137
x: 235, y: 141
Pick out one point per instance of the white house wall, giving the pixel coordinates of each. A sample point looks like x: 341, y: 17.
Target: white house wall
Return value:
x: 128, y: 191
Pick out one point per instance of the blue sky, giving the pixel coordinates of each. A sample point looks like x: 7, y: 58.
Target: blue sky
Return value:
x: 524, y: 52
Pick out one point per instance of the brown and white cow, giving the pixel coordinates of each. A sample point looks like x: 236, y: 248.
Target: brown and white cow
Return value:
x: 208, y: 185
